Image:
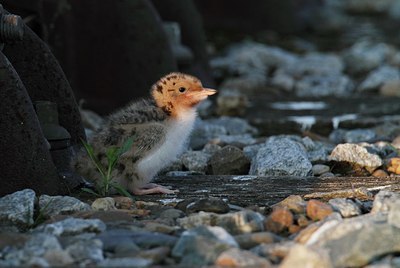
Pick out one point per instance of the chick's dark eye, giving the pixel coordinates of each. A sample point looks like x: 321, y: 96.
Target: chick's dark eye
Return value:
x: 182, y: 89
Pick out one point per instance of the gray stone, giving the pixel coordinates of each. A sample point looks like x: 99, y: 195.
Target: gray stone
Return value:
x: 324, y: 85
x: 87, y: 250
x: 281, y: 156
x: 234, y: 125
x: 379, y: 77
x: 364, y: 56
x: 125, y: 262
x: 211, y: 148
x: 195, y: 161
x: 202, y: 245
x: 320, y: 169
x: 18, y: 208
x: 383, y: 201
x: 355, y: 242
x: 251, y: 240
x: 274, y: 251
x: 55, y: 205
x: 58, y: 257
x: 346, y: 207
x: 211, y: 204
x: 72, y: 226
x: 358, y: 135
x: 251, y: 151
x: 355, y: 154
x: 316, y: 63
x: 229, y: 161
x: 307, y: 257
x: 198, y: 219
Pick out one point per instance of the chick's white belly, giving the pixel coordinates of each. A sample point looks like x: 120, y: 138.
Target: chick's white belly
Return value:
x: 164, y: 155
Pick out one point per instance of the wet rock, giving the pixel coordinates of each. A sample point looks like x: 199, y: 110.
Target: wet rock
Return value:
x: 316, y: 63
x: 235, y: 257
x: 104, y: 204
x: 364, y: 56
x: 56, y: 205
x: 383, y: 201
x: 307, y: 257
x: 317, y: 210
x: 294, y: 203
x: 358, y: 135
x: 125, y: 262
x: 320, y: 169
x: 322, y: 86
x: 72, y: 226
x: 202, y: 245
x: 229, y: 161
x: 211, y: 204
x: 346, y: 207
x: 281, y: 156
x: 196, y: 161
x: 355, y: 154
x: 232, y: 103
x: 250, y: 240
x: 86, y: 250
x: 17, y: 208
x: 379, y: 77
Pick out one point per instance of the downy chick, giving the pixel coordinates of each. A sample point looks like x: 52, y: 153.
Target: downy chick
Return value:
x: 160, y: 127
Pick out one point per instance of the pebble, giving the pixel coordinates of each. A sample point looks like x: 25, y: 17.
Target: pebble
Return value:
x: 250, y: 240
x: 379, y: 77
x: 346, y: 207
x: 196, y: 161
x: 72, y: 226
x: 317, y: 210
x: 390, y: 88
x: 235, y: 257
x: 280, y: 219
x: 104, y: 204
x: 380, y: 173
x: 123, y: 202
x: 383, y: 201
x: 394, y: 165
x: 210, y: 204
x: 320, y: 169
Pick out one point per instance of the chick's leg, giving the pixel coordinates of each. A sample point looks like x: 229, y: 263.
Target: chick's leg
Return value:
x: 152, y: 188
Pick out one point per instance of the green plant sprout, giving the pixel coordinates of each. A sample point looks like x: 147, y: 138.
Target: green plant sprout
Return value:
x: 113, y: 154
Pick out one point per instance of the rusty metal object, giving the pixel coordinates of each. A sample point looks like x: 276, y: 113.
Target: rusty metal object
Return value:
x: 11, y: 27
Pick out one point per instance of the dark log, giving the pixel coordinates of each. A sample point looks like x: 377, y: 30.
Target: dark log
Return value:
x: 266, y: 191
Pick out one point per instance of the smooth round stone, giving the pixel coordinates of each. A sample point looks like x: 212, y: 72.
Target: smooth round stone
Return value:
x: 320, y: 169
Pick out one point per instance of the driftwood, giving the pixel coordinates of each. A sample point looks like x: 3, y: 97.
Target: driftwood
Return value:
x: 253, y: 190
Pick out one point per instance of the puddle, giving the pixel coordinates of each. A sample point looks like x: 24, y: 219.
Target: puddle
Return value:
x: 299, y: 105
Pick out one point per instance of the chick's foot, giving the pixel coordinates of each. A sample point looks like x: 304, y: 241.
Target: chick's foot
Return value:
x: 152, y: 188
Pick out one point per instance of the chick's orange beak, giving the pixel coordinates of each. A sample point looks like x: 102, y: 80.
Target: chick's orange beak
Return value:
x: 208, y: 91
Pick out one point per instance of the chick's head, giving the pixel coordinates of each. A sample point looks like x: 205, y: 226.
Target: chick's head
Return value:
x: 175, y: 93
